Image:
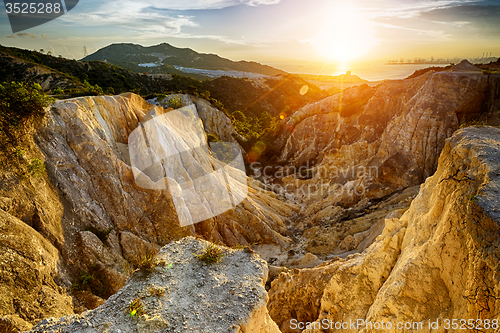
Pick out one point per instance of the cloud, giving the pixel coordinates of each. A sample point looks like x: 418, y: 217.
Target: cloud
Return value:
x: 478, y: 19
x: 26, y: 35
x: 259, y: 2
x: 463, y: 13
x: 133, y: 15
x: 191, y: 4
x: 183, y: 5
x: 22, y: 35
x: 152, y: 22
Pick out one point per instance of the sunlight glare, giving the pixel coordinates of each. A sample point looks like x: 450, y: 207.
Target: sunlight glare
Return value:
x: 346, y: 35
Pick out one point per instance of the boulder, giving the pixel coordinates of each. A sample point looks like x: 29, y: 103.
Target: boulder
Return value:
x: 186, y: 296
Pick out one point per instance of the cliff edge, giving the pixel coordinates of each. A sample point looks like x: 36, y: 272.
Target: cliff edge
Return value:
x: 438, y: 261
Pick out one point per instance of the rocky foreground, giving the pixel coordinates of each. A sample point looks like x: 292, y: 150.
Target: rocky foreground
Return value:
x: 438, y: 261
x: 227, y: 296
x: 394, y: 251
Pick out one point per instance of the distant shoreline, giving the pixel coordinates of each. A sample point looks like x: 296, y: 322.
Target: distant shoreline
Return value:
x: 369, y: 72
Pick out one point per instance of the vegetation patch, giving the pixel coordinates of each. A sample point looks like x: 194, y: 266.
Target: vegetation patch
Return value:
x: 147, y: 262
x: 92, y: 281
x: 36, y: 168
x: 474, y: 123
x: 158, y: 292
x: 21, y: 106
x: 213, y: 253
x: 136, y: 308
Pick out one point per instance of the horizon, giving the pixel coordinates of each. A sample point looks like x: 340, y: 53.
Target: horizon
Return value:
x: 277, y: 31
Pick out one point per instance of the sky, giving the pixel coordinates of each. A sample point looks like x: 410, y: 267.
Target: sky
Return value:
x: 271, y: 31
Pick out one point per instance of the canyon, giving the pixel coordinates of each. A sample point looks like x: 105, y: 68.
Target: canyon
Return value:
x: 383, y: 205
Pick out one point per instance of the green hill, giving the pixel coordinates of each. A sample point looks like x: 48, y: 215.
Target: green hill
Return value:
x: 131, y: 55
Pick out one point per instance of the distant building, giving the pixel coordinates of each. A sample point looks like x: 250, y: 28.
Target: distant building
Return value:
x: 348, y: 73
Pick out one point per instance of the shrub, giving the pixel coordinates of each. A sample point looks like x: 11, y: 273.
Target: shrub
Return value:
x: 92, y: 90
x: 211, y: 254
x: 175, y: 103
x: 36, y: 168
x: 92, y: 281
x: 136, y: 307
x: 58, y: 91
x: 147, y: 263
x: 473, y: 123
x: 21, y: 104
x: 109, y: 91
x: 160, y: 97
x: 212, y: 138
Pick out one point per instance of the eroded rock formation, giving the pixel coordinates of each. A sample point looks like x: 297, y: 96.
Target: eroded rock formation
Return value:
x: 197, y: 297
x: 372, y: 141
x: 366, y: 255
x: 438, y: 261
x: 95, y: 218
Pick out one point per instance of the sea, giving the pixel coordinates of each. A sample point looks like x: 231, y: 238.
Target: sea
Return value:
x: 367, y: 71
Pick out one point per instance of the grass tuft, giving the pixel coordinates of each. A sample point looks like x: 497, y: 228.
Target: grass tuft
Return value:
x: 147, y: 263
x: 213, y: 253
x: 136, y: 308
x: 158, y: 292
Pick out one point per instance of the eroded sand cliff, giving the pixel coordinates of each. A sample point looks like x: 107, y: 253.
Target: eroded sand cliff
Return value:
x: 395, y: 251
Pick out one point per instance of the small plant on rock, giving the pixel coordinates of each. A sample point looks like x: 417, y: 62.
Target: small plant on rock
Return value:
x: 136, y: 307
x: 36, y: 168
x: 158, y: 292
x: 213, y: 253
x: 147, y: 263
x: 175, y: 103
x: 58, y: 91
x: 472, y: 197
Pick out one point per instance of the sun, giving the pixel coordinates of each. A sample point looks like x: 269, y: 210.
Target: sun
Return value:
x: 346, y: 35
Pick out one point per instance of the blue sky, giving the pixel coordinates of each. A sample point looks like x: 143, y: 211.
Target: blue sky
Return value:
x: 275, y: 30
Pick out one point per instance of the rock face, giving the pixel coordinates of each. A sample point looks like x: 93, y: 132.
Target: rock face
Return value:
x: 28, y: 276
x: 215, y: 122
x: 228, y: 296
x: 92, y: 213
x: 370, y: 142
x: 438, y: 261
x: 366, y: 254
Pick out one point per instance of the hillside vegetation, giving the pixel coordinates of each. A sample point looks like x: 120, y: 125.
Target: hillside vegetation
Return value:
x: 131, y: 55
x: 254, y: 106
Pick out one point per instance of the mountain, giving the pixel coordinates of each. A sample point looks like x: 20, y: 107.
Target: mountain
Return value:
x: 131, y: 55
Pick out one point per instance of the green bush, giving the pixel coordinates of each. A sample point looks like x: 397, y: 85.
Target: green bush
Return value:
x: 212, y: 138
x: 175, y: 103
x: 21, y: 104
x: 36, y: 168
x: 92, y: 90
x: 58, y: 91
